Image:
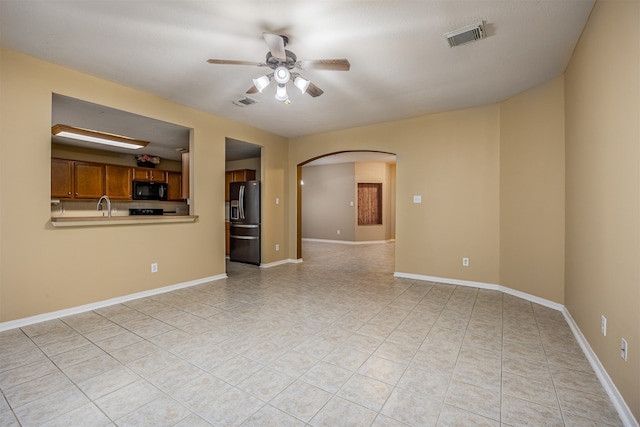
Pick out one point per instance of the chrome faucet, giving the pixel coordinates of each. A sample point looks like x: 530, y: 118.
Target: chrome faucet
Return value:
x: 99, y: 207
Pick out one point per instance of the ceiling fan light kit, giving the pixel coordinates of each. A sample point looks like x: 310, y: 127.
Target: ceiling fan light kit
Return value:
x: 261, y: 82
x: 282, y: 61
x: 97, y: 137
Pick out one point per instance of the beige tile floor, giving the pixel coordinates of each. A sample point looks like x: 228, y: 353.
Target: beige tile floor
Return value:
x: 334, y: 341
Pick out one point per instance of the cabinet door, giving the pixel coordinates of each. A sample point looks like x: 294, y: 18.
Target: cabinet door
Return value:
x: 174, y: 181
x: 158, y: 176
x: 248, y: 175
x: 228, y: 179
x: 141, y: 174
x: 118, y: 182
x: 89, y: 180
x: 61, y: 178
x: 184, y: 193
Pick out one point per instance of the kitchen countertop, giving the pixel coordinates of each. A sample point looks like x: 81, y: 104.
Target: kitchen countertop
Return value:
x: 93, y: 221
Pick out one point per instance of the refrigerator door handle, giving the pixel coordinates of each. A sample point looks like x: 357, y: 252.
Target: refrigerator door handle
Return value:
x: 244, y: 237
x: 241, y: 197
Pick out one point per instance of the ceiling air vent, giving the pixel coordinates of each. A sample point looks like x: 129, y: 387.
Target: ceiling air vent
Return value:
x: 466, y: 34
x: 245, y: 102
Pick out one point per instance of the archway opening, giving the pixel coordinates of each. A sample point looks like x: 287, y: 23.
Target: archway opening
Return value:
x: 364, y: 159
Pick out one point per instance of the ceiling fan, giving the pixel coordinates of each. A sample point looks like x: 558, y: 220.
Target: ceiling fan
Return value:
x: 283, y: 62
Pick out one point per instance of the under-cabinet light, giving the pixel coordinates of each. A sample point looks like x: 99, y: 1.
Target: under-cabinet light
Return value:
x: 97, y: 137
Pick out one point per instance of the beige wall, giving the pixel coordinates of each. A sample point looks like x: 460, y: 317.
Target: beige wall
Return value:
x: 602, y: 89
x: 44, y: 269
x: 452, y: 161
x: 327, y: 195
x: 532, y: 191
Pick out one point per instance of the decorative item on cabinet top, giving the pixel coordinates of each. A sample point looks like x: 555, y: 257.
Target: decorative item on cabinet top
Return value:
x: 147, y: 161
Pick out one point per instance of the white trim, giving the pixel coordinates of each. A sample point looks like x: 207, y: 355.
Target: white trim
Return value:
x: 13, y: 324
x: 281, y: 262
x: 348, y: 242
x: 612, y: 391
x: 616, y: 398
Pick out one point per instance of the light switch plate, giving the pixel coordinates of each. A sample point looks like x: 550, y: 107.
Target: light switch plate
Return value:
x: 417, y: 199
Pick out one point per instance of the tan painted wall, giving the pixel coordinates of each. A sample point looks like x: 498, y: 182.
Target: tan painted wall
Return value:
x: 452, y: 161
x: 44, y: 269
x: 532, y: 191
x: 602, y: 96
x: 326, y: 196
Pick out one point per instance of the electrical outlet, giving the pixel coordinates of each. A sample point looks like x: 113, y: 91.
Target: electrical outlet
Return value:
x: 338, y: 231
x: 277, y: 201
x: 277, y: 247
x: 465, y: 262
x: 417, y: 199
x: 154, y: 267
x: 623, y: 349
x: 603, y: 326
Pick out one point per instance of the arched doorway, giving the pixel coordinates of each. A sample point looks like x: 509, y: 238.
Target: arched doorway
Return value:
x: 334, y: 157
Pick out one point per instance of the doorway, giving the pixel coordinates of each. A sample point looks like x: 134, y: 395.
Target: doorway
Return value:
x: 334, y: 212
x: 243, y: 162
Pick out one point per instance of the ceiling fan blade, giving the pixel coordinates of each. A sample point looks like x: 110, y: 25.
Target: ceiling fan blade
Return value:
x: 276, y: 45
x: 314, y: 90
x: 325, y: 64
x: 252, y: 89
x: 234, y: 62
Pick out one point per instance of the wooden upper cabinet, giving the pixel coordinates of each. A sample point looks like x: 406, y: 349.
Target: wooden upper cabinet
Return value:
x: 174, y: 186
x: 88, y: 180
x: 147, y: 174
x: 118, y: 182
x: 62, y: 178
x: 237, y: 176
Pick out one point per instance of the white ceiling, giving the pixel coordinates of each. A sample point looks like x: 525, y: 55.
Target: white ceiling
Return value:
x: 401, y: 64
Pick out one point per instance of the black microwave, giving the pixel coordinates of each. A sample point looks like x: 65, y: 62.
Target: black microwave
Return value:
x: 143, y: 190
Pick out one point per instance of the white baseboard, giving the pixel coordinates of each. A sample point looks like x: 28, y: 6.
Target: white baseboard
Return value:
x: 13, y: 324
x: 281, y: 262
x: 616, y: 398
x: 348, y: 242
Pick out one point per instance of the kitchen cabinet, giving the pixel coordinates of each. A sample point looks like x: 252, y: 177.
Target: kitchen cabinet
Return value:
x: 77, y: 180
x: 118, y: 182
x: 88, y: 180
x: 61, y: 179
x: 147, y: 174
x: 174, y: 186
x: 185, y: 176
x: 237, y: 176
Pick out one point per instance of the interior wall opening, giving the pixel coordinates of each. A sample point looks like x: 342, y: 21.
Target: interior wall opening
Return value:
x: 243, y: 210
x: 327, y: 197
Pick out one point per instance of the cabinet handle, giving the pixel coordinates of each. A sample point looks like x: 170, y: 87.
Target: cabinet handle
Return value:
x: 69, y: 193
x: 76, y: 194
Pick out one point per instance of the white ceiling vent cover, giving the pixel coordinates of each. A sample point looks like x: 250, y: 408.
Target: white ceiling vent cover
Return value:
x: 245, y: 102
x: 466, y: 34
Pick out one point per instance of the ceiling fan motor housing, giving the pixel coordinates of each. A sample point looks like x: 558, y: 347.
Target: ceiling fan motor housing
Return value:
x: 290, y: 62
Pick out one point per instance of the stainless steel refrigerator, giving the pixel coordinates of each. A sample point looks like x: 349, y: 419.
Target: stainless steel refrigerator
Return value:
x: 244, y: 217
